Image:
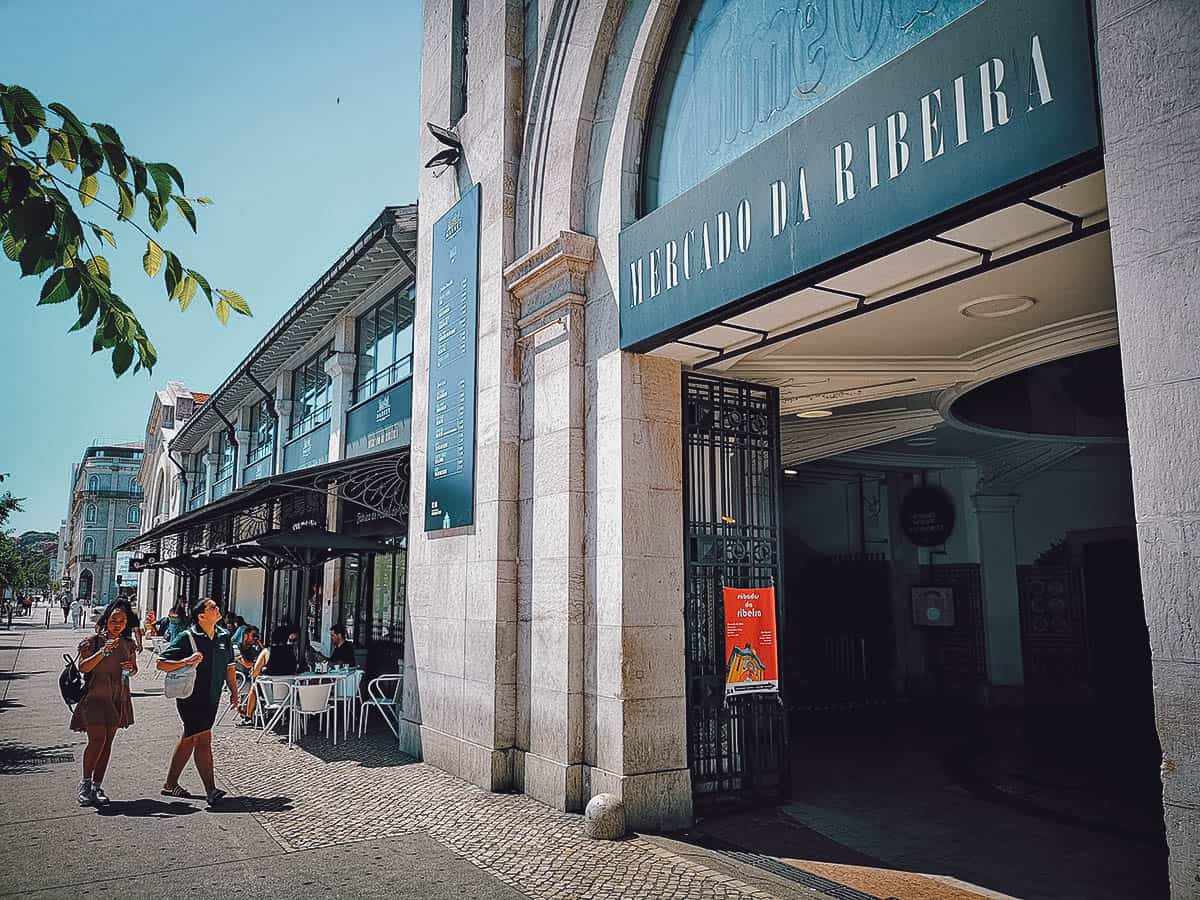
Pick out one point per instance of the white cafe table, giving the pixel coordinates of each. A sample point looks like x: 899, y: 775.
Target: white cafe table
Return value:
x: 334, y: 675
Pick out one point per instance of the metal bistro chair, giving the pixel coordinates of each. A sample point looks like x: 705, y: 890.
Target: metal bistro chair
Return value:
x: 383, y: 694
x: 314, y: 700
x: 274, y: 702
x: 345, y: 697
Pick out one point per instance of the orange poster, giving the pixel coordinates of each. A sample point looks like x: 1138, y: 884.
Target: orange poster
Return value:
x: 750, y: 641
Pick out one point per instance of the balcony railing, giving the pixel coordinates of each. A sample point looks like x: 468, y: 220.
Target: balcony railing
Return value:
x: 116, y: 493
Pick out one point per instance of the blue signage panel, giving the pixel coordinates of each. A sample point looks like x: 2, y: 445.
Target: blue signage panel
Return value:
x: 454, y: 314
x: 309, y: 449
x: 382, y: 422
x: 261, y: 469
x: 1004, y: 92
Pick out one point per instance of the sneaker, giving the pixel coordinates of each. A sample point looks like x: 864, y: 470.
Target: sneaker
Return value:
x: 246, y: 722
x: 86, y: 798
x: 215, y: 796
x: 98, y: 796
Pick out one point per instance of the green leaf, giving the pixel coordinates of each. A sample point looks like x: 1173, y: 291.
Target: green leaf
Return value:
x: 235, y: 300
x: 103, y: 234
x: 88, y: 189
x: 204, y: 201
x: 186, y: 209
x: 139, y: 174
x: 126, y: 205
x: 121, y: 358
x: 162, y: 181
x: 203, y: 282
x: 108, y: 134
x: 33, y: 218
x: 98, y: 267
x: 12, y: 246
x: 152, y: 258
x: 175, y: 176
x: 117, y: 164
x: 187, y: 290
x: 91, y: 155
x: 58, y: 150
x: 223, y: 311
x: 17, y: 182
x: 25, y: 114
x: 71, y: 122
x: 158, y: 212
x: 60, y: 286
x: 37, y: 255
x: 89, y: 302
x: 173, y: 275
x: 6, y: 148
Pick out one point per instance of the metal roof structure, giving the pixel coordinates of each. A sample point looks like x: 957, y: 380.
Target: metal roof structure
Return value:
x: 388, y: 242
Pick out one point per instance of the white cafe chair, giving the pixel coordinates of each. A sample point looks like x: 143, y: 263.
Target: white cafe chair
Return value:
x: 313, y: 700
x: 383, y: 694
x: 274, y: 702
x: 345, y: 697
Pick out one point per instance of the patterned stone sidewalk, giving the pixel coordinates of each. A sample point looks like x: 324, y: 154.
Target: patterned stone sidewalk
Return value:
x: 365, y: 789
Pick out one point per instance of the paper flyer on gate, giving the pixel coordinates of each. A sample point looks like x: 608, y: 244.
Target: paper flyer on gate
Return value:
x: 751, y: 648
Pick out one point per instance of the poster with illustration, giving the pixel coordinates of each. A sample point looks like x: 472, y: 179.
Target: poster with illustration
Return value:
x: 751, y: 647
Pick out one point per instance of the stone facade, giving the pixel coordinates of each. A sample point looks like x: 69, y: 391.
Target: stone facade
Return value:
x: 1149, y: 81
x: 106, y: 506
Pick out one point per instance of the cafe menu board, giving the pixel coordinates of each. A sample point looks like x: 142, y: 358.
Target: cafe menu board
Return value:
x: 454, y: 314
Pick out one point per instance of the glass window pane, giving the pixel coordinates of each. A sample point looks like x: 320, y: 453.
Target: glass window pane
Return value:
x: 385, y: 338
x: 366, y: 351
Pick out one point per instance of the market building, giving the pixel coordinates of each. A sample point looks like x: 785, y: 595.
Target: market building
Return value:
x: 283, y: 494
x: 105, y: 511
x: 882, y: 309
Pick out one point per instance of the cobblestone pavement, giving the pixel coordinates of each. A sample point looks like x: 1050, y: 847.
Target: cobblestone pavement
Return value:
x: 364, y: 789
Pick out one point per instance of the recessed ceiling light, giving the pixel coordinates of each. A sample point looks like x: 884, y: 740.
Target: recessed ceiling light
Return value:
x: 790, y: 472
x: 815, y: 414
x: 921, y: 442
x: 996, y: 307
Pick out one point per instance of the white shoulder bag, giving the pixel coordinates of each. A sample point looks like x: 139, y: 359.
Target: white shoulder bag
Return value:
x: 178, y: 685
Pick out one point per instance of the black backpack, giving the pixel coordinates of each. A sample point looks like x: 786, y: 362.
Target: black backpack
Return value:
x: 72, y: 683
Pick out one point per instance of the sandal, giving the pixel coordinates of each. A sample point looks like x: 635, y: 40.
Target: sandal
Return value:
x: 176, y: 791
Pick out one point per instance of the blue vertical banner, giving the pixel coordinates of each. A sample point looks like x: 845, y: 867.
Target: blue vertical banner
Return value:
x: 453, y: 326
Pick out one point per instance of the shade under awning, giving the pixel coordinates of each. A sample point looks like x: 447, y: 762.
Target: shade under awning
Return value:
x: 303, y: 547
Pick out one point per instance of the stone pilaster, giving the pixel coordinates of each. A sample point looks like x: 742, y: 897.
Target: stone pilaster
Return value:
x: 243, y: 447
x: 1001, y: 598
x: 548, y: 287
x: 1149, y: 82
x: 283, y: 406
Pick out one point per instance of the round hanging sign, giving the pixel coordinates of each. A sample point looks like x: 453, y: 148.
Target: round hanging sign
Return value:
x: 927, y: 516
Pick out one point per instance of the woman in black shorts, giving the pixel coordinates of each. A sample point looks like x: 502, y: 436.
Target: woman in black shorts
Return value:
x: 208, y: 647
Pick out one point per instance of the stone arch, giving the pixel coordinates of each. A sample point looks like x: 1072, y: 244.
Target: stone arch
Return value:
x: 85, y: 585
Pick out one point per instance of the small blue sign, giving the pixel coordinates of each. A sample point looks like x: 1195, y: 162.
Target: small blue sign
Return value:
x: 309, y: 449
x: 382, y: 422
x: 264, y: 468
x: 450, y: 412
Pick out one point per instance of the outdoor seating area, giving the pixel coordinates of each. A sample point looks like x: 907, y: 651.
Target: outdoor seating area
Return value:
x: 334, y: 697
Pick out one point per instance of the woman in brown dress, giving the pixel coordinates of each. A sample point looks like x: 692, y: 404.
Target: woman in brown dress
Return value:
x: 109, y: 660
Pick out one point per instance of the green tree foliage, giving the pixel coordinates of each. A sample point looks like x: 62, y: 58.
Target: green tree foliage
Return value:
x: 48, y: 175
x: 8, y: 503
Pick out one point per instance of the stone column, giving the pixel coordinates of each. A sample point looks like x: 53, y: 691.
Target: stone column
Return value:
x: 243, y: 448
x: 548, y: 286
x: 1149, y: 82
x: 1001, y: 598
x: 283, y: 406
x: 340, y: 368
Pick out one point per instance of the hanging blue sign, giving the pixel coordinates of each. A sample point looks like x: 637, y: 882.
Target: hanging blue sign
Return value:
x: 1003, y: 93
x: 310, y: 449
x: 381, y: 422
x: 450, y: 411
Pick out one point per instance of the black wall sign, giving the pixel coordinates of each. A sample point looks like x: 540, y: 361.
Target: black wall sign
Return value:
x: 927, y: 516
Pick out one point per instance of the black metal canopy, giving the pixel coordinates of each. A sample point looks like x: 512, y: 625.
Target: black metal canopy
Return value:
x: 307, y: 546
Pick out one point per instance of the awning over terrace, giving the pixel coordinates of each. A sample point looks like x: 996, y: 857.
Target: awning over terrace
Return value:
x: 282, y: 520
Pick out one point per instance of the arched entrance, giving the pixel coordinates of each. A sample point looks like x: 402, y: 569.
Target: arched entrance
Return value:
x: 85, y: 585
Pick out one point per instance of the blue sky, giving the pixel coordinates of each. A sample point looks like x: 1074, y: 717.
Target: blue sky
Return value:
x: 299, y: 119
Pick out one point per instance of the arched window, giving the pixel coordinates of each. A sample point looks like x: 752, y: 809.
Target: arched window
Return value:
x: 85, y: 584
x: 159, y: 496
x: 89, y: 546
x: 133, y: 485
x: 135, y: 514
x: 89, y: 514
x: 94, y: 483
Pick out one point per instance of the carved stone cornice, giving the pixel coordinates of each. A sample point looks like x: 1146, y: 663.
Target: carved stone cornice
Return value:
x: 549, y: 277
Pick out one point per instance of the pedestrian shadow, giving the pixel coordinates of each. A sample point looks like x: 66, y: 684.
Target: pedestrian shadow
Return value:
x: 147, y: 809
x: 21, y: 759
x: 18, y: 676
x: 233, y: 804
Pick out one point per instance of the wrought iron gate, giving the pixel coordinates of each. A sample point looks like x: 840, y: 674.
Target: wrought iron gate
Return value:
x: 731, y: 474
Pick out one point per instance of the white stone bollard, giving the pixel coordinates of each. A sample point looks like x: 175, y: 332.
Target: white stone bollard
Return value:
x: 604, y: 818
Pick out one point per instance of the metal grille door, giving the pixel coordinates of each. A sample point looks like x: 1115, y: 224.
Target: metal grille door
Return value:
x: 731, y: 477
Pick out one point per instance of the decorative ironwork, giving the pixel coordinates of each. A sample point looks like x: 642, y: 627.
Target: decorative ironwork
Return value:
x: 731, y: 532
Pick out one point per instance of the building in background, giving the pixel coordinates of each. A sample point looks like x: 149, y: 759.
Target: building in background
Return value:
x: 105, y: 511
x: 159, y: 478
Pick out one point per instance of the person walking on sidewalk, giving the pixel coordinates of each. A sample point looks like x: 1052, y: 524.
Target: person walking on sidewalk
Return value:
x: 76, y: 613
x: 65, y: 602
x: 213, y: 659
x: 109, y: 659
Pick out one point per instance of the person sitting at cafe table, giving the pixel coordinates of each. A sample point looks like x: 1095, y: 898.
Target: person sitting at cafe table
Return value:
x: 343, y: 649
x: 277, y: 660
